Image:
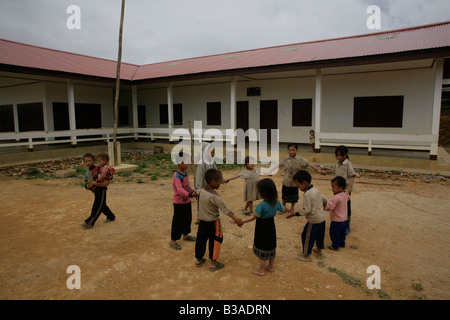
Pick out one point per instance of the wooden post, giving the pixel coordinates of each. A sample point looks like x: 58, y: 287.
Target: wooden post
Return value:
x: 116, y: 99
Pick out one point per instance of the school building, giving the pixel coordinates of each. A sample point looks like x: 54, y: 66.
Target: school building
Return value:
x: 379, y: 90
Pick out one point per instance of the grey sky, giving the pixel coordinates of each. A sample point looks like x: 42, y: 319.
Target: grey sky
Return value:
x: 163, y: 30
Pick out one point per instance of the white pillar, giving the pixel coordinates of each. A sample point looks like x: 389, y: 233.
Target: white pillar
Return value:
x: 317, y: 108
x: 233, y: 108
x: 170, y: 103
x: 45, y: 110
x: 439, y: 72
x: 71, y: 102
x: 134, y: 105
x: 16, y: 119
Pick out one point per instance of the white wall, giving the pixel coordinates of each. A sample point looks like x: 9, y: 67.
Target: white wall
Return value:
x: 57, y: 92
x: 415, y: 85
x: 338, y: 93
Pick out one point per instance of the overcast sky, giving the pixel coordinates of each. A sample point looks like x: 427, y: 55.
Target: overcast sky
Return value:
x: 164, y: 30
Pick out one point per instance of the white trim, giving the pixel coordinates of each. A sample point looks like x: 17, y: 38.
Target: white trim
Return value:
x: 233, y: 105
x: 71, y: 104
x: 379, y: 140
x: 170, y: 103
x: 134, y: 106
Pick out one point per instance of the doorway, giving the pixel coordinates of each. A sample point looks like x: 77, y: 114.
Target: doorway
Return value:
x: 268, y: 118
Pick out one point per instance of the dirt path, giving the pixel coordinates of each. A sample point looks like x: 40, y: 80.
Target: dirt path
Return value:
x: 403, y: 228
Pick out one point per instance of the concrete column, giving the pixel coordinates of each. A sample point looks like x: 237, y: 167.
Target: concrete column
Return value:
x: 318, y: 108
x: 16, y: 119
x: 233, y: 108
x: 134, y: 104
x: 71, y: 102
x: 170, y: 103
x: 436, y: 118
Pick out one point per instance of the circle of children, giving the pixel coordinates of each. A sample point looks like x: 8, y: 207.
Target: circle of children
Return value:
x: 209, y: 204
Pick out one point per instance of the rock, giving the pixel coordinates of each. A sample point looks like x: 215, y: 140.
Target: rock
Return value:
x: 65, y: 173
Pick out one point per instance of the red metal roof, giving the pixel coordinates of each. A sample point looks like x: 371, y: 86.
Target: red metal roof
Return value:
x: 383, y: 43
x: 24, y: 55
x: 417, y: 38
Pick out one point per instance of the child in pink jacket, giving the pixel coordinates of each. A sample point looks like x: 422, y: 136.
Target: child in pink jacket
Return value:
x: 182, y: 211
x: 338, y: 213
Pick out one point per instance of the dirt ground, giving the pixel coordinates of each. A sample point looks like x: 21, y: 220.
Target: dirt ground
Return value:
x: 400, y: 226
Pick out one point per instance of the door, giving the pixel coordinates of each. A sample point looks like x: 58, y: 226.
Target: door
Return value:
x: 88, y: 116
x: 142, y: 116
x: 268, y: 117
x: 242, y: 115
x: 61, y: 118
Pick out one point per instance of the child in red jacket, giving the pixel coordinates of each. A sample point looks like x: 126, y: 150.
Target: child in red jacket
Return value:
x: 182, y: 210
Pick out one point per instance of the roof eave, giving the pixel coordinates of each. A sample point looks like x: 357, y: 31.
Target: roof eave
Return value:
x: 342, y: 62
x: 59, y: 74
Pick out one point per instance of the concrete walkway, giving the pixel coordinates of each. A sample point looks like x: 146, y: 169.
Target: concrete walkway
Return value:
x: 417, y: 162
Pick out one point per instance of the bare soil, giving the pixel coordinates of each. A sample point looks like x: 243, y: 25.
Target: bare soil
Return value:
x: 400, y: 225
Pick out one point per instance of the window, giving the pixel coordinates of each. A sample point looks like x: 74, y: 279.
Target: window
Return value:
x: 446, y: 68
x: 88, y: 116
x: 31, y: 116
x: 142, y: 116
x: 177, y: 114
x: 378, y: 112
x: 6, y: 118
x: 213, y: 114
x: 124, y: 119
x: 163, y: 114
x: 301, y: 112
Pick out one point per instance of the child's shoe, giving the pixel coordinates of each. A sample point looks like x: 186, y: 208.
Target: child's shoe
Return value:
x: 86, y: 226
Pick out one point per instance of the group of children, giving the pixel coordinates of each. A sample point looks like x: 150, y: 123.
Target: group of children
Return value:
x: 265, y: 241
x: 209, y: 179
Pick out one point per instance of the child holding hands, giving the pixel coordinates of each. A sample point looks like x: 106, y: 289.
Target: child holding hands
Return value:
x: 265, y: 239
x: 210, y: 227
x: 313, y: 205
x: 344, y: 168
x: 291, y: 164
x: 338, y: 213
x: 251, y: 177
x: 182, y: 210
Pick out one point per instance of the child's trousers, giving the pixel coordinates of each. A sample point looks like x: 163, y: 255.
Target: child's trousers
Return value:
x: 313, y: 233
x: 209, y: 232
x: 181, y: 221
x: 99, y: 207
x: 338, y: 233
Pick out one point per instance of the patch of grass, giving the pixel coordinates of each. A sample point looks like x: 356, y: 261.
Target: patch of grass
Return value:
x: 357, y: 283
x: 382, y: 294
x: 347, y: 279
x: 125, y: 174
x: 417, y: 286
x: 320, y: 264
x: 35, y: 173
